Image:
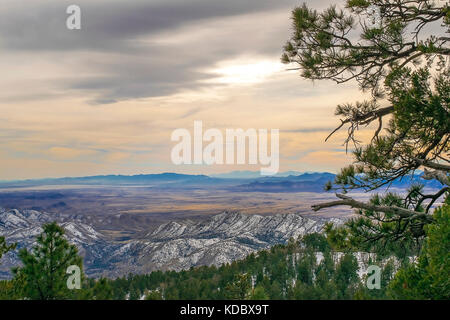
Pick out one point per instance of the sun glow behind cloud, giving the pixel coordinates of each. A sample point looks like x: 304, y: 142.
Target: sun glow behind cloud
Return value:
x: 244, y: 71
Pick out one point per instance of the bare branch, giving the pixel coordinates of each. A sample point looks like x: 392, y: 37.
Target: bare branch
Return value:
x: 437, y: 175
x: 433, y: 165
x: 347, y: 201
x: 433, y: 198
x: 364, y: 119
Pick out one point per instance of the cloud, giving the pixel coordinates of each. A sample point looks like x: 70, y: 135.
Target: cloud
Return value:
x: 106, y: 99
x: 110, y: 24
x: 69, y: 153
x: 139, y: 49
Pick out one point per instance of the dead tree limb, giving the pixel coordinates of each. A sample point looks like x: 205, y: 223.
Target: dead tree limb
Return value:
x: 433, y: 165
x: 363, y: 119
x: 440, y: 176
x: 347, y: 201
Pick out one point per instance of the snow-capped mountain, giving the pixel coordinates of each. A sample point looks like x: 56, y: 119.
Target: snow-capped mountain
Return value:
x: 22, y: 227
x: 222, y: 238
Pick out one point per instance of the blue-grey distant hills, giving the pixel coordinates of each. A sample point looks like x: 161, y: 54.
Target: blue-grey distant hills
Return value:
x: 307, y: 182
x: 315, y: 182
x: 140, y: 179
x: 246, y: 174
x: 238, y: 181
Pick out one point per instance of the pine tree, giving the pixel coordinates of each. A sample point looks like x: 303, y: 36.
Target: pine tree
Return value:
x: 4, y: 247
x: 346, y: 276
x: 240, y: 288
x: 45, y: 266
x: 153, y: 295
x: 102, y: 290
x: 408, y: 77
x: 429, y: 277
x: 259, y: 294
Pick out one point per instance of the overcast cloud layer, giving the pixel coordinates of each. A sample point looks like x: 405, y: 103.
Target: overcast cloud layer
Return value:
x: 106, y: 98
x: 135, y: 49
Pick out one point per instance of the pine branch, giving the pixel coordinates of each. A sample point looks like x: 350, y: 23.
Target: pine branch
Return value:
x: 364, y: 119
x: 347, y: 201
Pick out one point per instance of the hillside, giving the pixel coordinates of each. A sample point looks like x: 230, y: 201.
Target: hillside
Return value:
x: 305, y: 269
x: 223, y: 238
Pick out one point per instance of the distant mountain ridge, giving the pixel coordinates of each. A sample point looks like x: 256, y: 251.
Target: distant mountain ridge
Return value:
x: 304, y: 182
x: 307, y: 182
x: 111, y: 179
x: 253, y: 174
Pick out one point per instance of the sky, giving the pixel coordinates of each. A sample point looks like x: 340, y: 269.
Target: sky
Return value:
x: 105, y: 99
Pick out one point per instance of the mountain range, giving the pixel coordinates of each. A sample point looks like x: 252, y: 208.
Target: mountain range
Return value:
x: 238, y: 181
x: 221, y: 239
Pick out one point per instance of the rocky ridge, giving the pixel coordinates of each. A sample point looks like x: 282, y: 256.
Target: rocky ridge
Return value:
x: 220, y: 239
